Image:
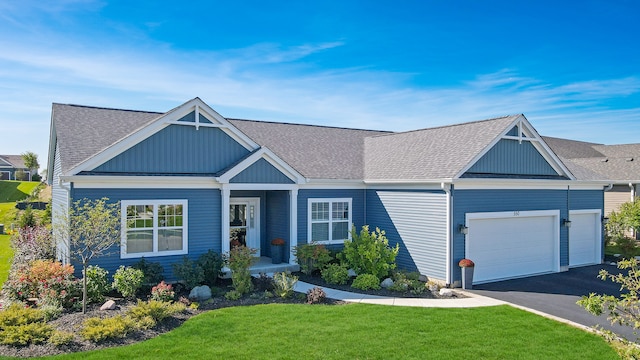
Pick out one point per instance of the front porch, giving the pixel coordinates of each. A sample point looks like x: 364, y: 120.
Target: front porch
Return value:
x: 264, y: 265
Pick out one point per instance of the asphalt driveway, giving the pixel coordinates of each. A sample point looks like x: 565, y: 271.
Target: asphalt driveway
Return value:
x: 556, y: 294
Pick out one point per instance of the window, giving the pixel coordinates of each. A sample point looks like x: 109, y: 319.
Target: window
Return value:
x: 329, y: 220
x: 154, y: 228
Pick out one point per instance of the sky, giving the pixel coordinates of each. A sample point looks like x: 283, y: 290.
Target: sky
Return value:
x: 572, y: 67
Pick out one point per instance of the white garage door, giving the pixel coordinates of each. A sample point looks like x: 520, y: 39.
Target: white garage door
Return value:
x: 584, y: 237
x: 513, y: 244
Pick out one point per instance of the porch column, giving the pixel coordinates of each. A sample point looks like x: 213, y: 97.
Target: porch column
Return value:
x: 225, y: 193
x: 293, y: 223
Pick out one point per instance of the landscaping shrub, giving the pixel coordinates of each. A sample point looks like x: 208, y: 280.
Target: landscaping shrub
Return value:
x: 27, y: 218
x: 162, y: 292
x: 61, y: 338
x: 211, y: 263
x: 284, y: 284
x: 316, y: 295
x: 32, y: 243
x: 232, y: 295
x: 96, y: 329
x: 370, y: 253
x: 48, y: 281
x: 50, y: 311
x: 263, y: 283
x: 153, y: 272
x: 97, y: 283
x: 312, y: 257
x: 156, y: 310
x: 335, y: 274
x: 127, y: 281
x: 239, y: 260
x: 366, y: 282
x: 20, y: 326
x: 189, y: 272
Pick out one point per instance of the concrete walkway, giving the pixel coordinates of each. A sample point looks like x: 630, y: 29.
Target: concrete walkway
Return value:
x: 471, y: 300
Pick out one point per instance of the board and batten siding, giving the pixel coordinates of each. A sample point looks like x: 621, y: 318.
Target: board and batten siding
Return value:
x: 204, y: 218
x: 417, y: 221
x: 357, y: 208
x: 277, y: 216
x: 474, y: 201
x: 178, y: 149
x: 509, y: 157
x: 261, y: 172
x: 59, y: 205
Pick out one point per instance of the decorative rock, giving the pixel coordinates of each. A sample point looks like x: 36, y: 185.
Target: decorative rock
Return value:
x: 108, y: 305
x: 387, y: 283
x: 200, y: 293
x: 446, y: 292
x: 352, y: 273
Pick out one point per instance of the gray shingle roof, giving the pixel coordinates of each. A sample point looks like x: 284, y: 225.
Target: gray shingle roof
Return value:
x: 436, y: 153
x: 590, y: 161
x: 14, y: 160
x: 83, y: 132
x: 317, y: 152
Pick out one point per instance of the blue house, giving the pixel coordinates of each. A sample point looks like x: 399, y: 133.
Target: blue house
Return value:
x: 190, y: 180
x: 11, y: 166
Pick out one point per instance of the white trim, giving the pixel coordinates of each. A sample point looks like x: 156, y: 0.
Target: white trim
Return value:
x: 525, y: 184
x: 293, y: 224
x: 310, y: 222
x: 406, y: 181
x: 271, y: 158
x: 252, y: 186
x: 449, y: 238
x: 141, y: 182
x: 155, y: 252
x: 225, y: 198
x: 161, y: 122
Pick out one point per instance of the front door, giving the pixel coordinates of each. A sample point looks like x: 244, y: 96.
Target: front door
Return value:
x: 244, y: 223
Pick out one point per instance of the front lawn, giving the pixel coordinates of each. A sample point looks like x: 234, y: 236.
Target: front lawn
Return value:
x: 358, y: 331
x: 12, y: 191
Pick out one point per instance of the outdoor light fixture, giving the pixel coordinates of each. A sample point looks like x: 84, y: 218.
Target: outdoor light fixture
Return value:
x: 566, y: 223
x: 463, y: 229
x: 605, y: 220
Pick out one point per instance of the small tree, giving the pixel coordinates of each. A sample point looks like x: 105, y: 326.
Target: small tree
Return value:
x: 623, y: 310
x: 369, y: 252
x: 31, y: 161
x: 625, y: 219
x: 91, y: 229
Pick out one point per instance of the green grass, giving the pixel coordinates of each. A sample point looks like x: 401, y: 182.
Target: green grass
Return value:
x: 7, y: 216
x: 360, y: 331
x: 610, y: 249
x: 11, y: 191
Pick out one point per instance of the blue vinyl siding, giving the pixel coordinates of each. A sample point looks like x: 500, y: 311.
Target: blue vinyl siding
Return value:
x: 417, y: 221
x: 277, y: 219
x: 178, y: 149
x: 472, y: 201
x: 509, y: 157
x: 204, y: 219
x: 357, y: 204
x: 261, y: 172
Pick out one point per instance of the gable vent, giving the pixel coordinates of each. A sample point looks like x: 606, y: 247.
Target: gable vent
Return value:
x: 629, y: 159
x: 605, y: 160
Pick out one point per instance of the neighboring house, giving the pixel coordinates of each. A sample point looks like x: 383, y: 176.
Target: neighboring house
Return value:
x: 190, y: 180
x: 617, y: 164
x: 10, y: 164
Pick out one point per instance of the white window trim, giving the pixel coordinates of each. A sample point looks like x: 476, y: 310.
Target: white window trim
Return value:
x: 310, y: 222
x: 155, y: 253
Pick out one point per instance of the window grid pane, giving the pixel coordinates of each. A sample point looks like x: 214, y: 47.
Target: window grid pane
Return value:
x: 339, y: 230
x: 340, y: 211
x: 143, y: 232
x: 319, y: 211
x: 320, y: 232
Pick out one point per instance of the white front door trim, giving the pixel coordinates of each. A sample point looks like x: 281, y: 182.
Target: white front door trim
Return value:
x: 253, y: 221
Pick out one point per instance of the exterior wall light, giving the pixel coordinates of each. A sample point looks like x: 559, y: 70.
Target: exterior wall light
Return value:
x: 463, y: 229
x: 566, y: 223
x: 605, y: 220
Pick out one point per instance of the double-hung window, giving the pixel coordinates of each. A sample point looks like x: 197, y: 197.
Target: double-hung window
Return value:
x: 329, y: 220
x: 154, y: 228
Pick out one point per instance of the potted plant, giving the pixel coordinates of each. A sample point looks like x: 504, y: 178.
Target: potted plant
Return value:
x: 277, y: 250
x: 466, y: 266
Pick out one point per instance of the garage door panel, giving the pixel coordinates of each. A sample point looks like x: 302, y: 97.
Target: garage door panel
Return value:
x: 512, y: 246
x: 584, y: 239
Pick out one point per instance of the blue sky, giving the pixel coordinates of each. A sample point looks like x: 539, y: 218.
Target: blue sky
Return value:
x: 571, y: 67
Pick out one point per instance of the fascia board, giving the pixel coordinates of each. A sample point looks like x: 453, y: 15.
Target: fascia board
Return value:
x: 155, y: 182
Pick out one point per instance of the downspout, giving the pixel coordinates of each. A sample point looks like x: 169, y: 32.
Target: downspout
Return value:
x: 447, y: 189
x: 568, y: 229
x: 633, y: 191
